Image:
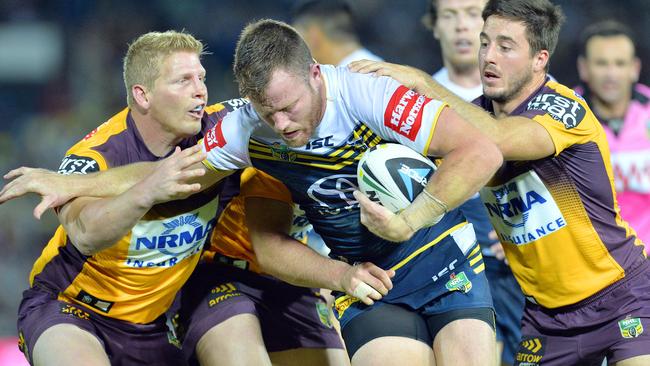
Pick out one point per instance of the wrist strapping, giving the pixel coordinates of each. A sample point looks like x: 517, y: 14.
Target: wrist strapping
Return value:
x: 436, y: 200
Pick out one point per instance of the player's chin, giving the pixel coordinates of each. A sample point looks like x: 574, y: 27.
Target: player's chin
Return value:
x: 297, y: 141
x: 191, y: 128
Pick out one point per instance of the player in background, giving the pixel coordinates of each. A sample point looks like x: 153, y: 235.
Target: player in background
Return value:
x: 553, y: 204
x: 609, y: 70
x: 99, y: 291
x: 456, y: 24
x: 329, y: 28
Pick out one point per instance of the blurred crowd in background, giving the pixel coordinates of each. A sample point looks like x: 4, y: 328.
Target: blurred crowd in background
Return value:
x: 61, y: 66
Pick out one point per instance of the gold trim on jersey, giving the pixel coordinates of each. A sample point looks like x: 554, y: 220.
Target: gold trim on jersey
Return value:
x: 339, y: 157
x: 436, y: 119
x: 427, y: 246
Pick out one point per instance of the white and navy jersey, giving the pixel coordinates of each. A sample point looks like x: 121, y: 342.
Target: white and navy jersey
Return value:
x: 361, y: 112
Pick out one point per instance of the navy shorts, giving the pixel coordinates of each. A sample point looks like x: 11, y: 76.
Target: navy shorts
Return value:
x: 508, y: 305
x: 125, y: 343
x: 613, y: 323
x: 290, y: 316
x: 449, y: 276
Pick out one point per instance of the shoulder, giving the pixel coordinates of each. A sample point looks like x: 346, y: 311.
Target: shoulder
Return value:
x: 93, y: 152
x: 115, y: 125
x: 560, y: 103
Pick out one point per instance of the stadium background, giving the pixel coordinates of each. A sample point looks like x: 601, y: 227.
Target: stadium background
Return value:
x: 60, y: 76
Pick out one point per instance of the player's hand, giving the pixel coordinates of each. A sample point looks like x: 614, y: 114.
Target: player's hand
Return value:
x: 408, y: 76
x: 367, y: 282
x: 52, y: 187
x: 172, y: 178
x: 381, y: 221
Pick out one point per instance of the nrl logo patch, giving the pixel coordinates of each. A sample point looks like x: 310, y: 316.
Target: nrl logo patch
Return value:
x: 459, y: 282
x: 323, y: 314
x: 630, y: 327
x: 282, y: 152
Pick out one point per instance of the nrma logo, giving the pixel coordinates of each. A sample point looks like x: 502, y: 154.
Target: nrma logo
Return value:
x: 522, y: 210
x: 166, y: 243
x: 518, y: 205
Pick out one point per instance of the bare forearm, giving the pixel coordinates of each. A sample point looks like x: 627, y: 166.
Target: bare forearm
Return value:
x: 291, y: 261
x: 111, y: 182
x: 100, y: 223
x: 462, y: 173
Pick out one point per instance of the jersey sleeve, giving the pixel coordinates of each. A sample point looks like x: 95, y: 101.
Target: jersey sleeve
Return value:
x: 565, y: 116
x: 256, y: 183
x: 82, y: 159
x: 391, y: 110
x: 226, y: 144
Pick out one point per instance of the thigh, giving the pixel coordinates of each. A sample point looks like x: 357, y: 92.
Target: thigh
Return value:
x: 311, y: 356
x: 451, y: 344
x: 235, y: 341
x: 394, y: 351
x: 40, y: 312
x: 385, y: 320
x: 67, y: 344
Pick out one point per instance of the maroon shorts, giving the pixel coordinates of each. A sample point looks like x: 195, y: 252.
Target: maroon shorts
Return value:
x: 290, y: 316
x: 614, y: 323
x: 125, y: 343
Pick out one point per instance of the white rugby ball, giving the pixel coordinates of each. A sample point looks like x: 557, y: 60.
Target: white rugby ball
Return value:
x: 393, y: 175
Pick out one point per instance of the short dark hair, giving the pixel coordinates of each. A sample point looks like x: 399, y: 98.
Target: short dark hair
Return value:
x: 263, y: 47
x: 541, y: 18
x: 605, y: 28
x: 335, y: 18
x: 431, y: 15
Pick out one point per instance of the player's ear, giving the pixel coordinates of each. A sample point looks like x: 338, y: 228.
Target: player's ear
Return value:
x: 540, y: 60
x: 140, y: 97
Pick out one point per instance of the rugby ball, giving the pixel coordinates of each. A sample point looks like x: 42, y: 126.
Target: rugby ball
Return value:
x: 393, y: 175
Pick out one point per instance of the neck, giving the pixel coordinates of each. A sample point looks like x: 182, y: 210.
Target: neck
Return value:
x: 504, y: 109
x: 608, y: 111
x: 157, y: 140
x: 467, y: 76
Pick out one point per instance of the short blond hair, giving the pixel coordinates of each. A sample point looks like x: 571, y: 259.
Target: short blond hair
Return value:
x: 144, y: 57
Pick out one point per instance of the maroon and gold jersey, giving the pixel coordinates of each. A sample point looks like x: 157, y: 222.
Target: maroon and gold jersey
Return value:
x: 230, y: 236
x: 137, y: 278
x: 557, y: 217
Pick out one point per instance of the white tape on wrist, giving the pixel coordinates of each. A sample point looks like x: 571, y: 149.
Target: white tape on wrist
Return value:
x: 363, y: 290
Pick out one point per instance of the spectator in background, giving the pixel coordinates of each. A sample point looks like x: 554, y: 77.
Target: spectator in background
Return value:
x: 609, y: 70
x: 457, y: 24
x: 329, y: 29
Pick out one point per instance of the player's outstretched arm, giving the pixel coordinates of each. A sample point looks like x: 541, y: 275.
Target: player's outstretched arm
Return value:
x: 518, y: 138
x: 282, y: 256
x: 94, y: 224
x: 57, y: 189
